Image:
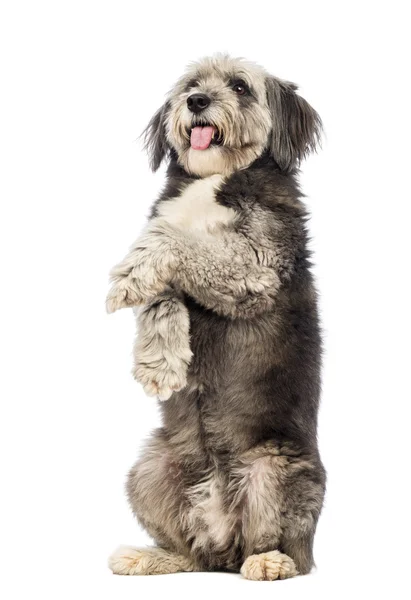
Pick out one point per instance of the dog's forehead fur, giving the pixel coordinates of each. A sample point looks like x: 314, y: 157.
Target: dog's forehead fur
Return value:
x: 217, y: 71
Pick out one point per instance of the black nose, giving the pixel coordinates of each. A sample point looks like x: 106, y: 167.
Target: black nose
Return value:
x: 198, y: 102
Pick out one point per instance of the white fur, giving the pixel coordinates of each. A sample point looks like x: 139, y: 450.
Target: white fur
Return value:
x: 162, y: 349
x: 127, y: 560
x: 207, y: 516
x: 268, y: 566
x: 196, y: 209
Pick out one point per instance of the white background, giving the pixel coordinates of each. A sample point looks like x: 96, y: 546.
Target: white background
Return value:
x: 79, y: 81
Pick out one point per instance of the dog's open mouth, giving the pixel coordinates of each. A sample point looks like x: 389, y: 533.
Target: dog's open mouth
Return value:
x: 202, y: 136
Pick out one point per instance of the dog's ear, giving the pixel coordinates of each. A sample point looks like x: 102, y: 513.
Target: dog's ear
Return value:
x: 155, y: 139
x: 296, y: 126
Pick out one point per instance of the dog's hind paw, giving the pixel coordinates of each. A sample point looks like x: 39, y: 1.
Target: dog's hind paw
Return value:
x: 147, y: 561
x: 268, y: 566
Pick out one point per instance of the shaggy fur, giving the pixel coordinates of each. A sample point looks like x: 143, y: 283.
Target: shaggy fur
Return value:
x: 228, y: 334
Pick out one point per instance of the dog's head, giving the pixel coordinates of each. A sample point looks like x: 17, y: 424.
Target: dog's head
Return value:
x: 224, y: 113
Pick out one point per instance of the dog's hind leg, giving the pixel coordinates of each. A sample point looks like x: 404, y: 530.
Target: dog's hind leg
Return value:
x: 281, y: 493
x: 127, y: 560
x: 260, y: 481
x: 156, y: 491
x: 295, y: 558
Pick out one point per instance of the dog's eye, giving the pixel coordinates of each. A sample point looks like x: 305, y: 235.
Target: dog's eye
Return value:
x: 192, y: 83
x: 240, y: 89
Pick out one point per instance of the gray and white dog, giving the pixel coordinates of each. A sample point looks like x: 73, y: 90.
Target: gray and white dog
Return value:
x: 228, y: 332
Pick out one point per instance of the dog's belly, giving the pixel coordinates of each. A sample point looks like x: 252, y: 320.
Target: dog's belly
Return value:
x: 231, y: 359
x: 195, y: 210
x: 208, y: 519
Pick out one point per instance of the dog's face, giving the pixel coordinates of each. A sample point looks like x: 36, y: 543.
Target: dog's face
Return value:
x: 224, y: 113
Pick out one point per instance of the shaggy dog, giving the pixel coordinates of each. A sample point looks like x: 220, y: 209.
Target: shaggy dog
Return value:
x: 228, y: 332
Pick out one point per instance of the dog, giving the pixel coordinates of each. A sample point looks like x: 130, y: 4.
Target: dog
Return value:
x: 228, y: 331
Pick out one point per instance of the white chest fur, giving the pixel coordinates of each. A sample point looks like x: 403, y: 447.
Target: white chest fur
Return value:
x: 196, y: 208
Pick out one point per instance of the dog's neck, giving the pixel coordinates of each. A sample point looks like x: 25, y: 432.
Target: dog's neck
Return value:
x: 176, y: 170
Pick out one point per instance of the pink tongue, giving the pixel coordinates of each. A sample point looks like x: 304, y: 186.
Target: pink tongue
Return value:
x: 201, y: 137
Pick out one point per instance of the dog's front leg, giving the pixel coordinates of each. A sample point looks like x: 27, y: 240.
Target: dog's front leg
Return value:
x: 162, y: 349
x: 145, y: 271
x: 225, y: 275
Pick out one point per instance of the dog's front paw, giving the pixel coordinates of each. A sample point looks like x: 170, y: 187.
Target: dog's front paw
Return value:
x: 124, y: 293
x: 160, y: 378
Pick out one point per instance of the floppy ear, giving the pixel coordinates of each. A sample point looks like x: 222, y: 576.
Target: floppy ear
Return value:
x: 296, y: 125
x: 155, y: 140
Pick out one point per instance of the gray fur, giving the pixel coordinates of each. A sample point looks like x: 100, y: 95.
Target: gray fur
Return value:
x: 162, y: 349
x: 155, y: 141
x: 231, y: 307
x: 296, y: 125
